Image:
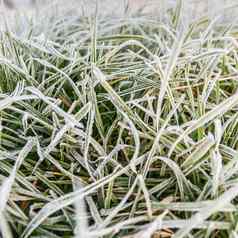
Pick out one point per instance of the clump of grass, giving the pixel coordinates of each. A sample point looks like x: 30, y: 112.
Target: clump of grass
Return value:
x: 119, y: 128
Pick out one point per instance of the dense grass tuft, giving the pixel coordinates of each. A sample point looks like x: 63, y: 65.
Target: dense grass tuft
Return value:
x: 116, y: 127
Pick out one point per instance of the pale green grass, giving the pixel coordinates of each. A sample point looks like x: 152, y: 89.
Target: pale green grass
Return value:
x: 119, y: 128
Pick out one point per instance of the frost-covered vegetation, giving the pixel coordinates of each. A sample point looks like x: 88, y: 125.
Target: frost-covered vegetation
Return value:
x: 119, y: 127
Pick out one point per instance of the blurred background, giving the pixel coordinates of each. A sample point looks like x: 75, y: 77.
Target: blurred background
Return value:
x: 193, y: 9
